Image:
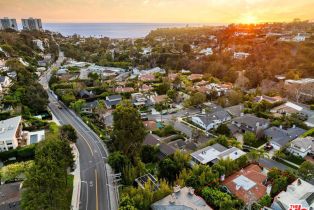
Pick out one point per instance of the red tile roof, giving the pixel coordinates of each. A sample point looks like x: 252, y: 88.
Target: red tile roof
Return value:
x: 252, y: 172
x: 195, y: 76
x: 124, y: 89
x: 147, y: 77
x: 146, y: 88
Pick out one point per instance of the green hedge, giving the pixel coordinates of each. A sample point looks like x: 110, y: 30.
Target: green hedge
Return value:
x: 22, y: 153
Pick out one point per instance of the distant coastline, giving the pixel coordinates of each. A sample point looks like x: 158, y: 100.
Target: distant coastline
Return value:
x: 114, y: 30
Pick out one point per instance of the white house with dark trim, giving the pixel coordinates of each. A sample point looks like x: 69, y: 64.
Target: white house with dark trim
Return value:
x: 211, y: 120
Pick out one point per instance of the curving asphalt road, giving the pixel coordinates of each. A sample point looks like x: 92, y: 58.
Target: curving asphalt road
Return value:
x: 96, y: 191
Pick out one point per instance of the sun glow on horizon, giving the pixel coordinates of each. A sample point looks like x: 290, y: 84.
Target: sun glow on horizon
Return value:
x: 249, y: 19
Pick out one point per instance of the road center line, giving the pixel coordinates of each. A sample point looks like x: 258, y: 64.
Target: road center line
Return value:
x: 96, y: 178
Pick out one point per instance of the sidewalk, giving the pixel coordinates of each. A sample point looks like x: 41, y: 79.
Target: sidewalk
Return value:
x: 75, y: 204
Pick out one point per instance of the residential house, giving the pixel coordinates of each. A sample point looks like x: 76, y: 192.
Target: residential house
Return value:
x: 146, y: 88
x: 147, y: 178
x: 152, y: 140
x: 250, y: 123
x: 268, y: 164
x: 247, y: 184
x: 10, y: 133
x: 279, y: 137
x: 212, y: 154
x: 147, y: 77
x: 140, y: 100
x: 5, y: 82
x: 287, y: 108
x: 302, y: 146
x: 211, y: 120
x: 124, y: 90
x: 89, y: 107
x: 158, y: 99
x: 299, y: 192
x: 62, y: 71
x: 207, y: 51
x: 85, y: 94
x: 240, y: 55
x: 194, y: 77
x: 172, y: 76
x: 39, y: 44
x: 220, y: 89
x: 154, y: 71
x: 150, y: 125
x: 164, y: 148
x: 236, y: 111
x: 10, y: 196
x: 183, y: 199
x: 33, y: 137
x: 112, y: 101
x: 299, y: 38
x: 272, y: 100
x: 302, y: 89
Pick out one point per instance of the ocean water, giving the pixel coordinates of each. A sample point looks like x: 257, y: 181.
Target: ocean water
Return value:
x: 111, y: 30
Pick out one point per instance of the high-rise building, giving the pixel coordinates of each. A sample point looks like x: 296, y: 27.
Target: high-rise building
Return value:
x: 32, y: 24
x: 6, y: 23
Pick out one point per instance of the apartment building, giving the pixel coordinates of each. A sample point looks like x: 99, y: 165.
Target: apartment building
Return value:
x: 32, y: 24
x: 7, y: 23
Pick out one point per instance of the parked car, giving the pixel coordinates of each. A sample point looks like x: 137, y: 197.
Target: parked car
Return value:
x: 268, y: 146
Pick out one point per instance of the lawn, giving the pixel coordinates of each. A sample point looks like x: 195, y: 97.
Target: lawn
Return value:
x: 287, y: 164
x: 258, y: 143
x: 294, y: 159
x: 69, y: 190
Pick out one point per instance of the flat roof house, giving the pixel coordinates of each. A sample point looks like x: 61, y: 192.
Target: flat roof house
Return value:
x: 299, y: 192
x: 181, y: 199
x: 211, y: 120
x: 10, y: 133
x: 212, y: 154
x: 286, y: 109
x: 302, y: 146
x: 247, y: 184
x: 279, y: 137
x: 250, y: 122
x: 112, y: 101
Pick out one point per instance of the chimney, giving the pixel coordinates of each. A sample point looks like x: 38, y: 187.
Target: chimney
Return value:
x: 238, y: 187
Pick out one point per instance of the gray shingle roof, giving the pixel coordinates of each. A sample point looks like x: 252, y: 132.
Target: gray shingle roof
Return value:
x: 250, y: 120
x: 281, y: 136
x: 218, y: 115
x: 235, y: 110
x: 114, y: 97
x: 269, y: 163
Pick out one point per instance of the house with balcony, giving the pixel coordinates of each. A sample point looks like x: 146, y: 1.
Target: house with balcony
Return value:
x: 250, y: 123
x: 10, y: 133
x: 302, y: 146
x: 299, y: 192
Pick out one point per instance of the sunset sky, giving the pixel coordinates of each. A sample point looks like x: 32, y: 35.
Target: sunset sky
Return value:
x: 160, y: 11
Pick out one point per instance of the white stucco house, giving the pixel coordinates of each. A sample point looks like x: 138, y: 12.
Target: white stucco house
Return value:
x: 302, y: 146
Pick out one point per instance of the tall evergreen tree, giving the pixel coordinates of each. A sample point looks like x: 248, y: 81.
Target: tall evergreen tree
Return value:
x: 46, y: 183
x: 129, y: 131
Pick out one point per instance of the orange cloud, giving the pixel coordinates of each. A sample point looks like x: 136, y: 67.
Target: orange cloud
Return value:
x: 197, y: 11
